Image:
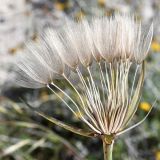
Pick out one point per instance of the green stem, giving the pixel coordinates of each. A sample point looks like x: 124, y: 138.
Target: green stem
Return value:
x: 107, y: 149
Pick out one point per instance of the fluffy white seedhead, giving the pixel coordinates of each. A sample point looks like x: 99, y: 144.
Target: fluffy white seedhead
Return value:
x: 106, y: 100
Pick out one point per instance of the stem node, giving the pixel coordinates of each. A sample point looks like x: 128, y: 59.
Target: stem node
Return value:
x: 108, y: 142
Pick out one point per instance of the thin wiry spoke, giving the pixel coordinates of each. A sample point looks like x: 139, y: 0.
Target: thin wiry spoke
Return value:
x: 74, y: 89
x: 104, y: 85
x: 131, y: 110
x: 118, y: 103
x: 137, y: 124
x: 92, y: 99
x: 100, y: 107
x: 97, y: 98
x: 107, y: 78
x: 67, y: 96
x: 81, y: 116
x: 87, y: 90
x: 96, y: 103
x: 125, y: 101
x: 117, y: 119
x: 102, y: 88
x: 119, y: 82
x: 133, y: 84
x: 89, y: 95
x: 87, y: 112
x: 116, y: 114
x: 62, y: 100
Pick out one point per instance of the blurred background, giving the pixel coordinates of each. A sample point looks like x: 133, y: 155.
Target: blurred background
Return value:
x: 26, y: 136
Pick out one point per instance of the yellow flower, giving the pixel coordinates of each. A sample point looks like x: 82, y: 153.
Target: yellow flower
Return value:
x: 158, y: 155
x: 62, y: 6
x: 15, y: 49
x: 44, y: 95
x: 78, y: 115
x: 155, y: 46
x: 101, y: 2
x: 3, y: 110
x: 79, y: 15
x: 145, y: 106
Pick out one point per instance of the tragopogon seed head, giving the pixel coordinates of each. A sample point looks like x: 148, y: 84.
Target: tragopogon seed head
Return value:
x: 105, y: 50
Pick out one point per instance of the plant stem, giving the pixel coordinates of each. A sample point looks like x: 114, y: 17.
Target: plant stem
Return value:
x: 107, y: 149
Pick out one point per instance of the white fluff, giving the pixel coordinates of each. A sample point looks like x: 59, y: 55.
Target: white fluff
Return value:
x: 121, y: 37
x: 38, y: 66
x: 64, y: 45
